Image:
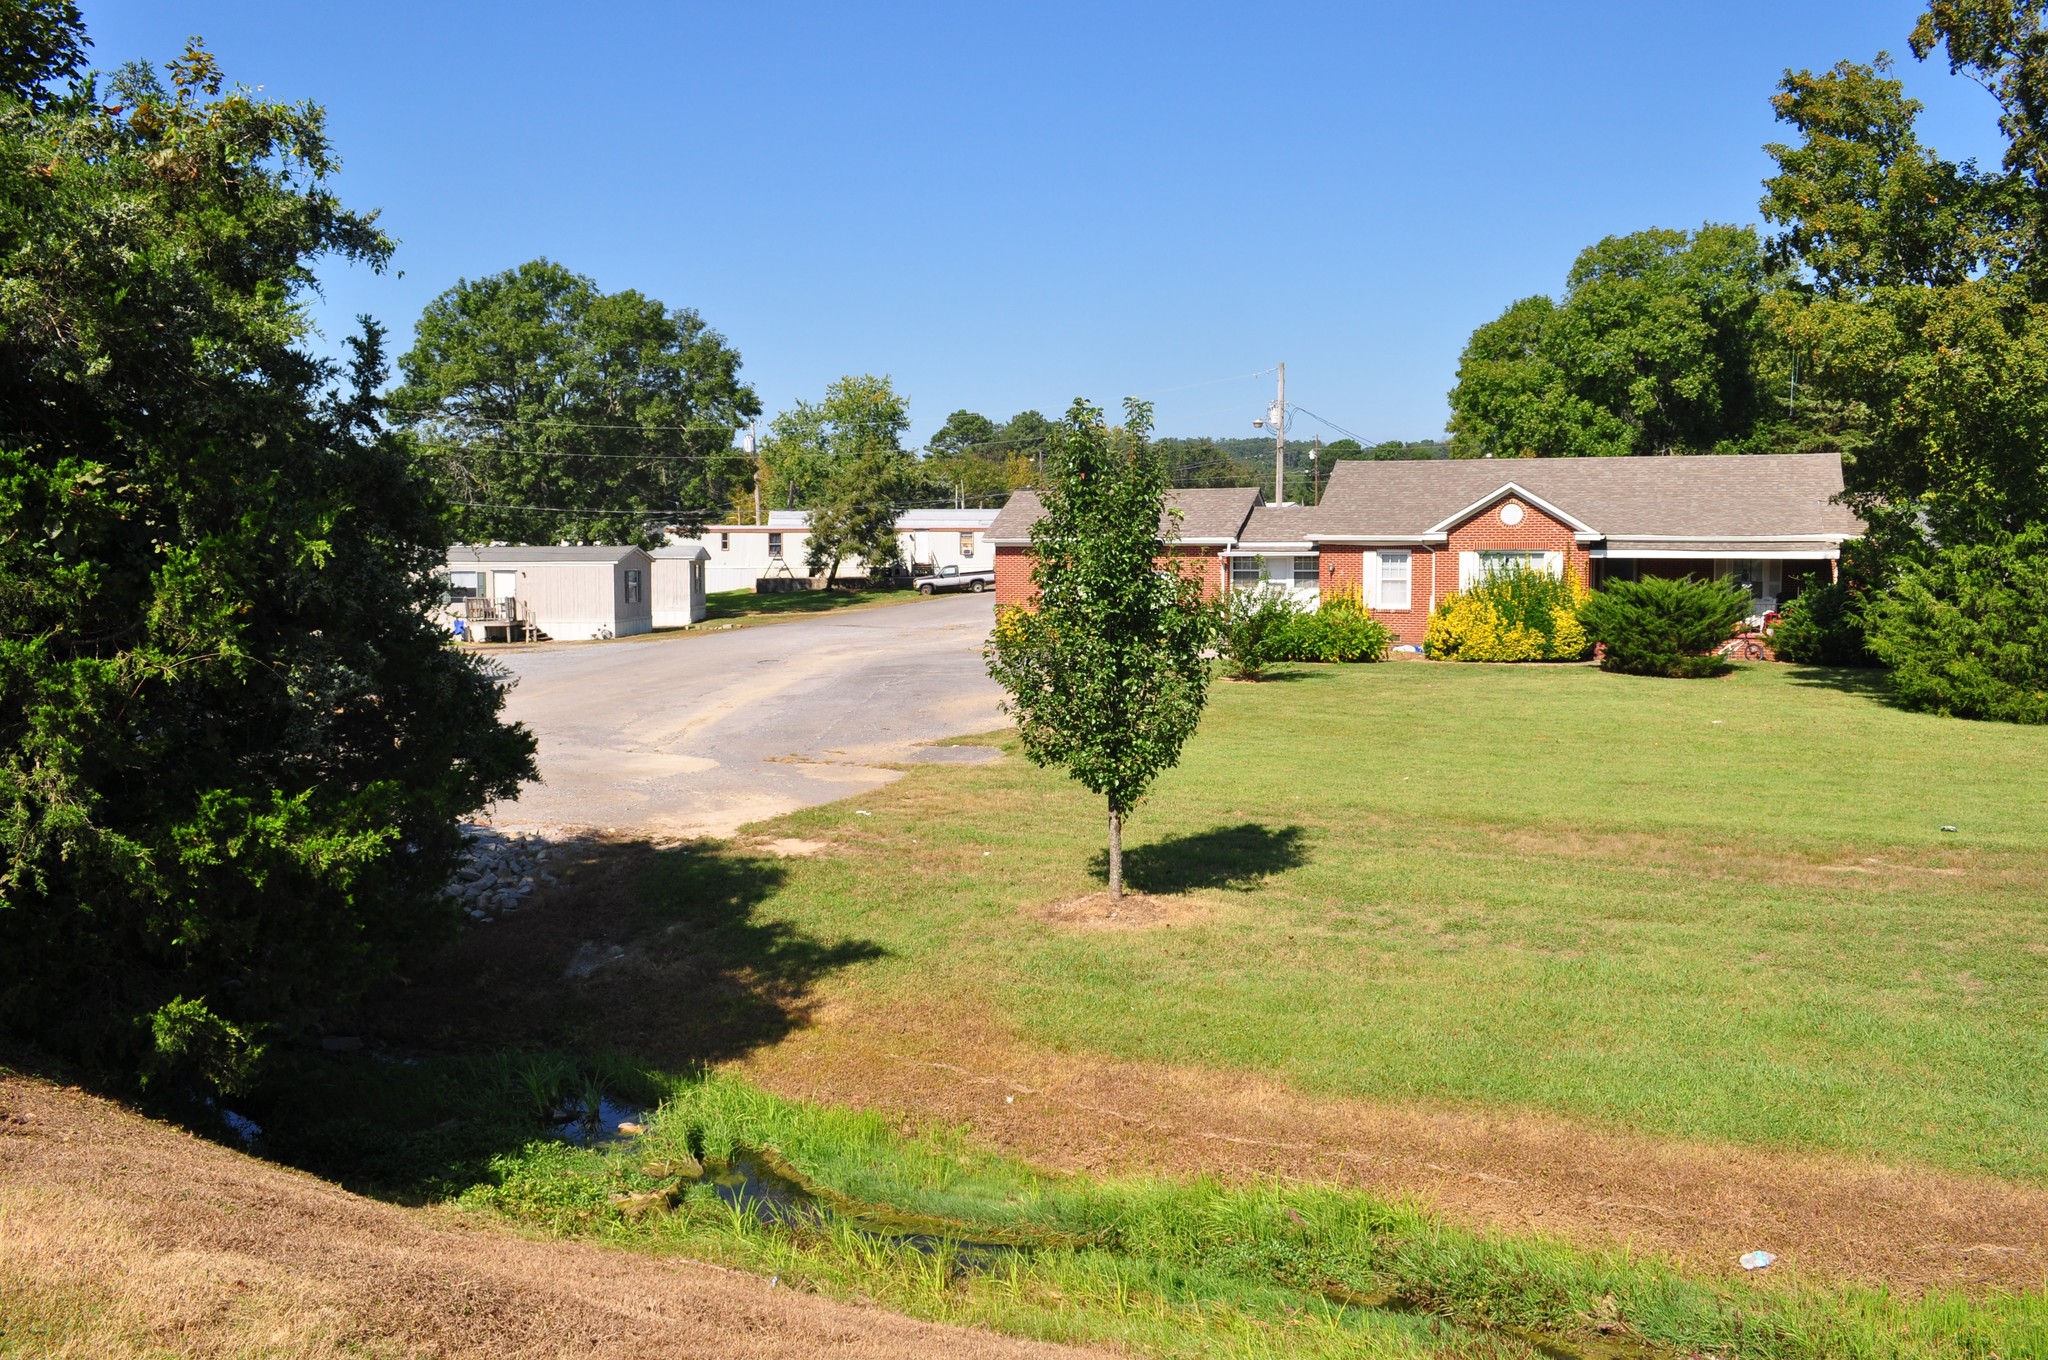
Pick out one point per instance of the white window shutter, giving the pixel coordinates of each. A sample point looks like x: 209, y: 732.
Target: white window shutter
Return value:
x: 1371, y: 590
x: 1553, y: 562
x: 1468, y: 569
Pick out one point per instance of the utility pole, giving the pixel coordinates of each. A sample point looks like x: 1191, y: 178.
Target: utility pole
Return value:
x: 1279, y: 418
x: 753, y: 444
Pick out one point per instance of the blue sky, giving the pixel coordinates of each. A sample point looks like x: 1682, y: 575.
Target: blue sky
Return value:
x: 1008, y: 206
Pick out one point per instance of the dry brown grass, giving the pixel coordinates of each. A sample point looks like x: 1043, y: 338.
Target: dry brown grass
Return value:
x: 1132, y: 911
x: 122, y: 1237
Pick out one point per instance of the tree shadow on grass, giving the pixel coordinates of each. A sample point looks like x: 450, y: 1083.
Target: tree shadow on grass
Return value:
x: 645, y: 964
x: 1865, y: 682
x: 1236, y: 858
x: 658, y: 954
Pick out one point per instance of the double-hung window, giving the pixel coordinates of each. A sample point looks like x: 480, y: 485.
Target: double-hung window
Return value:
x: 1244, y: 572
x: 725, y: 542
x: 1396, y: 575
x: 775, y: 545
x: 465, y: 585
x: 1306, y: 567
x: 967, y: 545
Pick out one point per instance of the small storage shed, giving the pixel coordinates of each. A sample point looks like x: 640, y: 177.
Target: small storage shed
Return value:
x: 679, y: 585
x: 566, y: 593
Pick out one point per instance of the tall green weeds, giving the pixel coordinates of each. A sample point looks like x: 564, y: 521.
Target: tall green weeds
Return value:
x: 1191, y: 1268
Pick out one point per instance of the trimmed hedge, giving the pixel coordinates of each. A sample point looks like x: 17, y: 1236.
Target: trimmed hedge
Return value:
x: 1664, y: 626
x: 1519, y: 614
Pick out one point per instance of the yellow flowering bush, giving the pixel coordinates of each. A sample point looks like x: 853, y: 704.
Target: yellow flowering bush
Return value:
x: 1516, y: 614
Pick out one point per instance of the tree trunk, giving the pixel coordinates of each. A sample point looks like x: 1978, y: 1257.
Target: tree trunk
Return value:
x: 1116, y: 853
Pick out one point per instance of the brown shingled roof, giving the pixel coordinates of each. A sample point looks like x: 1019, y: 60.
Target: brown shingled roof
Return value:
x: 1700, y: 496
x: 1206, y: 514
x: 1270, y: 524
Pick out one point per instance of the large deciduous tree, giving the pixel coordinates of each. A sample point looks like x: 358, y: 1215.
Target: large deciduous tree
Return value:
x: 1105, y: 670
x: 233, y: 747
x: 1651, y: 350
x: 550, y: 411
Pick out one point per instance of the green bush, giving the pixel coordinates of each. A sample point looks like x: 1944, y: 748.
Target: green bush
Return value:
x: 1661, y: 626
x: 1967, y: 633
x: 1251, y: 631
x: 1338, y: 629
x: 1257, y: 628
x: 1823, y: 626
x: 1518, y: 614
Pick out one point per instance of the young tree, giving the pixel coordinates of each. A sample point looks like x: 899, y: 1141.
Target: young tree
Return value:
x: 860, y: 414
x: 1105, y: 674
x: 856, y: 516
x: 548, y: 410
x: 233, y: 745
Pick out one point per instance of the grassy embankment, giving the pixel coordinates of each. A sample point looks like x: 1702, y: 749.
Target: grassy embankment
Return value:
x: 1167, y: 1268
x: 1723, y: 910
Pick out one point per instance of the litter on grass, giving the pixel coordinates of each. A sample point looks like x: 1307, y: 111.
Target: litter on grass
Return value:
x: 1755, y: 1260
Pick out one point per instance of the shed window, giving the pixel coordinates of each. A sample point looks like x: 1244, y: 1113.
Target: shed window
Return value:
x: 775, y: 545
x: 1396, y: 571
x: 967, y: 545
x: 632, y: 587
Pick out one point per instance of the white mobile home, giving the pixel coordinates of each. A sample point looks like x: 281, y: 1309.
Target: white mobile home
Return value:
x: 561, y: 593
x: 737, y: 555
x: 679, y: 585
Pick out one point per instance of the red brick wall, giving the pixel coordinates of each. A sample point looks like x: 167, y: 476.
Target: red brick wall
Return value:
x: 1346, y: 570
x: 1206, y: 565
x: 1345, y: 567
x: 1013, y: 576
x: 1014, y: 564
x: 1537, y: 532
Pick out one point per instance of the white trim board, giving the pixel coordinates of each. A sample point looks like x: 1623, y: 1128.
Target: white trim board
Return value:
x: 1512, y: 489
x: 1718, y: 554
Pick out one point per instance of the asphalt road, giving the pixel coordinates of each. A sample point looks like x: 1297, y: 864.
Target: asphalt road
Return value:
x: 695, y: 735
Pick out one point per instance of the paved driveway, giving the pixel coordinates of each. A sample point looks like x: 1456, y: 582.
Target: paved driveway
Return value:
x: 697, y: 734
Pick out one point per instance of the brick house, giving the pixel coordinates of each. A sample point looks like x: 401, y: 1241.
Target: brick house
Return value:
x: 1404, y: 534
x: 1199, y: 526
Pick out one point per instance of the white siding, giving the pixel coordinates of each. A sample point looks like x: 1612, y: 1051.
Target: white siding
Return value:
x: 678, y: 592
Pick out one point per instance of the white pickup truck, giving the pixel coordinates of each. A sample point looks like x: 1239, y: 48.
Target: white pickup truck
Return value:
x: 952, y: 578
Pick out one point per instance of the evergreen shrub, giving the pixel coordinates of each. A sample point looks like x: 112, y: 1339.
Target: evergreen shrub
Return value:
x: 1663, y: 626
x: 1823, y: 626
x: 1966, y: 633
x: 1516, y: 614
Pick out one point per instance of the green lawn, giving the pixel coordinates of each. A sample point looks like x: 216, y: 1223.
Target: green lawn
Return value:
x: 1726, y: 908
x: 727, y: 606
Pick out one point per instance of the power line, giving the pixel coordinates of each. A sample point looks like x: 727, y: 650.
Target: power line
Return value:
x: 1332, y: 424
